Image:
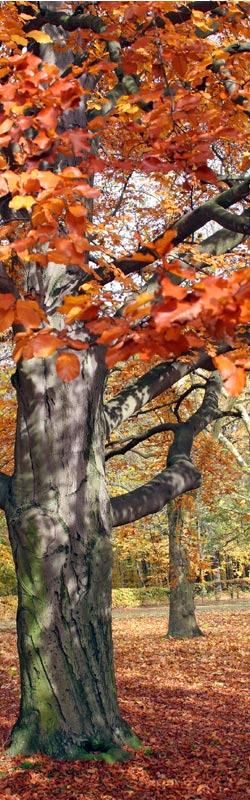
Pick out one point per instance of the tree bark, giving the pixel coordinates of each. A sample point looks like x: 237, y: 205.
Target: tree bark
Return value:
x: 182, y: 621
x: 59, y: 521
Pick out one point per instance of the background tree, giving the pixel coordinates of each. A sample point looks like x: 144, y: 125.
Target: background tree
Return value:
x: 141, y: 442
x: 124, y: 91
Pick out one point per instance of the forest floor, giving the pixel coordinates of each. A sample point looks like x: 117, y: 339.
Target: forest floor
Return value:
x: 223, y: 603
x: 188, y: 701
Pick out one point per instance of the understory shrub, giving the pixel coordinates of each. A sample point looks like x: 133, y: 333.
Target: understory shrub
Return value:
x: 148, y: 596
x: 8, y: 583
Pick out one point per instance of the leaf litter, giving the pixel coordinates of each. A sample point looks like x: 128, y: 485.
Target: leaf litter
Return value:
x: 188, y: 701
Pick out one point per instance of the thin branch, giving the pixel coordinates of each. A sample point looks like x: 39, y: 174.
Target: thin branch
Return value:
x: 181, y: 475
x: 234, y: 450
x: 244, y: 416
x: 183, y: 396
x: 120, y: 199
x: 118, y: 451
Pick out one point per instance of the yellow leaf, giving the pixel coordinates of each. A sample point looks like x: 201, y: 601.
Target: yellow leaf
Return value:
x: 40, y: 37
x: 19, y: 39
x: 142, y: 299
x: 22, y: 201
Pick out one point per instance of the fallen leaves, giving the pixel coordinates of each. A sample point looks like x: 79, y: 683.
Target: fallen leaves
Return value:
x: 188, y: 700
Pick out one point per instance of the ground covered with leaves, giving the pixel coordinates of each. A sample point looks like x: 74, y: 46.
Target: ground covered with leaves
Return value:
x: 188, y: 701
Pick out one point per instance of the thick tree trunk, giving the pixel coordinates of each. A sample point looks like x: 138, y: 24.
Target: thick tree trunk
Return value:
x: 59, y: 521
x: 182, y: 622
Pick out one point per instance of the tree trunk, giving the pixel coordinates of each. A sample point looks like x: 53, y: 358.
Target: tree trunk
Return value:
x: 182, y: 622
x: 217, y: 574
x: 58, y: 515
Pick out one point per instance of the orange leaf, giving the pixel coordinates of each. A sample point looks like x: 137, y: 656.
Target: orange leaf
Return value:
x: 113, y: 333
x: 78, y: 210
x: 141, y: 300
x: 6, y: 319
x: 76, y: 344
x: 28, y: 313
x: 170, y: 289
x: 44, y: 344
x: 234, y: 377
x: 21, y: 340
x: 67, y: 367
x: 224, y: 365
x: 236, y: 382
x: 47, y: 118
x: 3, y: 162
x: 71, y: 172
x: 6, y: 126
x: 163, y: 244
x: 120, y: 352
x: 89, y: 191
x: 6, y: 301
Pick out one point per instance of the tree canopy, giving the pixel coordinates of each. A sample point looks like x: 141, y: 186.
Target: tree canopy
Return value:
x: 148, y: 96
x: 124, y: 186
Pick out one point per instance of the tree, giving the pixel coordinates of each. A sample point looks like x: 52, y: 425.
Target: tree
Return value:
x: 182, y: 620
x: 143, y: 97
x: 141, y: 440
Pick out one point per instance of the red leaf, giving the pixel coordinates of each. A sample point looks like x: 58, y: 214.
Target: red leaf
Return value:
x: 47, y: 118
x: 206, y: 174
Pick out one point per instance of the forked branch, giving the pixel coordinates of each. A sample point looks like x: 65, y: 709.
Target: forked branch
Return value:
x: 181, y: 475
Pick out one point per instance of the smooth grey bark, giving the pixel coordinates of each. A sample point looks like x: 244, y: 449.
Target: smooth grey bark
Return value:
x: 182, y: 622
x: 154, y: 495
x: 59, y: 520
x: 149, y: 386
x: 180, y: 475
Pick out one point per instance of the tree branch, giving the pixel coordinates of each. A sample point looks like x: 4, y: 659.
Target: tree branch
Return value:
x: 119, y: 451
x: 244, y: 416
x: 232, y: 449
x: 232, y: 222
x: 181, y: 475
x: 149, y: 386
x: 223, y: 241
x: 69, y: 22
x: 189, y: 224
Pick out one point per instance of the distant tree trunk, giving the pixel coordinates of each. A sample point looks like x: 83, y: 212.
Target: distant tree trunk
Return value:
x: 217, y: 574
x: 182, y: 622
x: 59, y: 522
